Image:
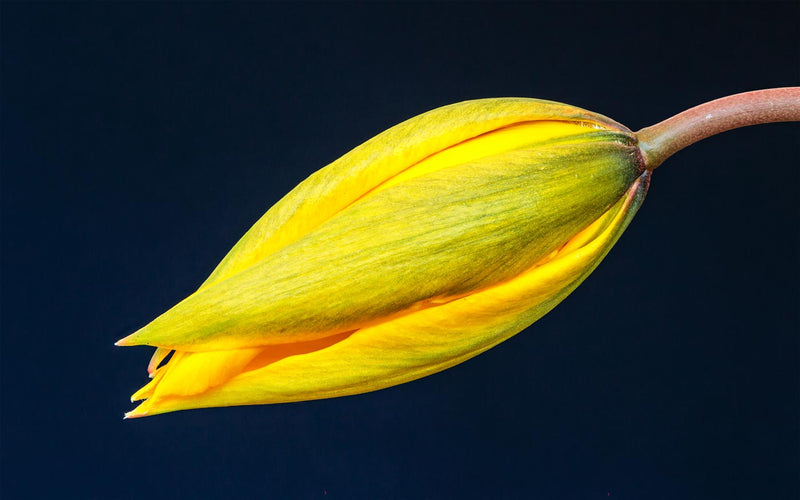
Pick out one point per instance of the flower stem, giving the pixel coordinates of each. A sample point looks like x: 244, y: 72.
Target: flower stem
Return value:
x: 662, y: 140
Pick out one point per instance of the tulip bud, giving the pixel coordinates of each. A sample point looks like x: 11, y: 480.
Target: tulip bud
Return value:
x: 417, y: 250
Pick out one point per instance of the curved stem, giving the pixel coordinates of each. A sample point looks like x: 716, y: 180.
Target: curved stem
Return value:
x: 662, y: 140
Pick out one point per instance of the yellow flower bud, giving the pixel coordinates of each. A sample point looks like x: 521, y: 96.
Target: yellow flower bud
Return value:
x: 423, y: 247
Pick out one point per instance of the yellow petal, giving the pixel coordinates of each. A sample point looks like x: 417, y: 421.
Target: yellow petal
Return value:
x: 197, y: 372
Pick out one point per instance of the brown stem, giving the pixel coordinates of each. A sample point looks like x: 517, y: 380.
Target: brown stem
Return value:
x: 662, y: 140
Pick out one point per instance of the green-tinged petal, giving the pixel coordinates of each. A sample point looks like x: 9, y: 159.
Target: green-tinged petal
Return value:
x: 437, y: 235
x: 413, y: 345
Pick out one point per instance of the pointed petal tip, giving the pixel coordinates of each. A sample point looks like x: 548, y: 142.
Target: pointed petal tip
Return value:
x: 143, y: 393
x: 140, y: 411
x: 126, y: 341
x: 159, y: 356
x: 134, y: 414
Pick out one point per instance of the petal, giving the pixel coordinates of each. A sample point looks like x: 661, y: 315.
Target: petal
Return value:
x: 158, y: 356
x: 435, y: 236
x: 422, y: 342
x: 196, y: 372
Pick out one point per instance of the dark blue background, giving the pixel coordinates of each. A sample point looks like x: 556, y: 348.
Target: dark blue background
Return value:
x: 139, y: 141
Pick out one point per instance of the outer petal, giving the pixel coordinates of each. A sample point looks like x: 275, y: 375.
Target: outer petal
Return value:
x: 433, y: 237
x: 419, y: 343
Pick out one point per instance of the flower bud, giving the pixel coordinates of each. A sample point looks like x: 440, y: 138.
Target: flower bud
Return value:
x: 419, y: 249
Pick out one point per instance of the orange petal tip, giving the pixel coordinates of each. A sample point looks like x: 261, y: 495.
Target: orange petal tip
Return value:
x: 125, y: 341
x: 134, y: 414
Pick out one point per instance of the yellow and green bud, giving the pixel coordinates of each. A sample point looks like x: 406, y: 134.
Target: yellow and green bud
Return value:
x: 423, y: 247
